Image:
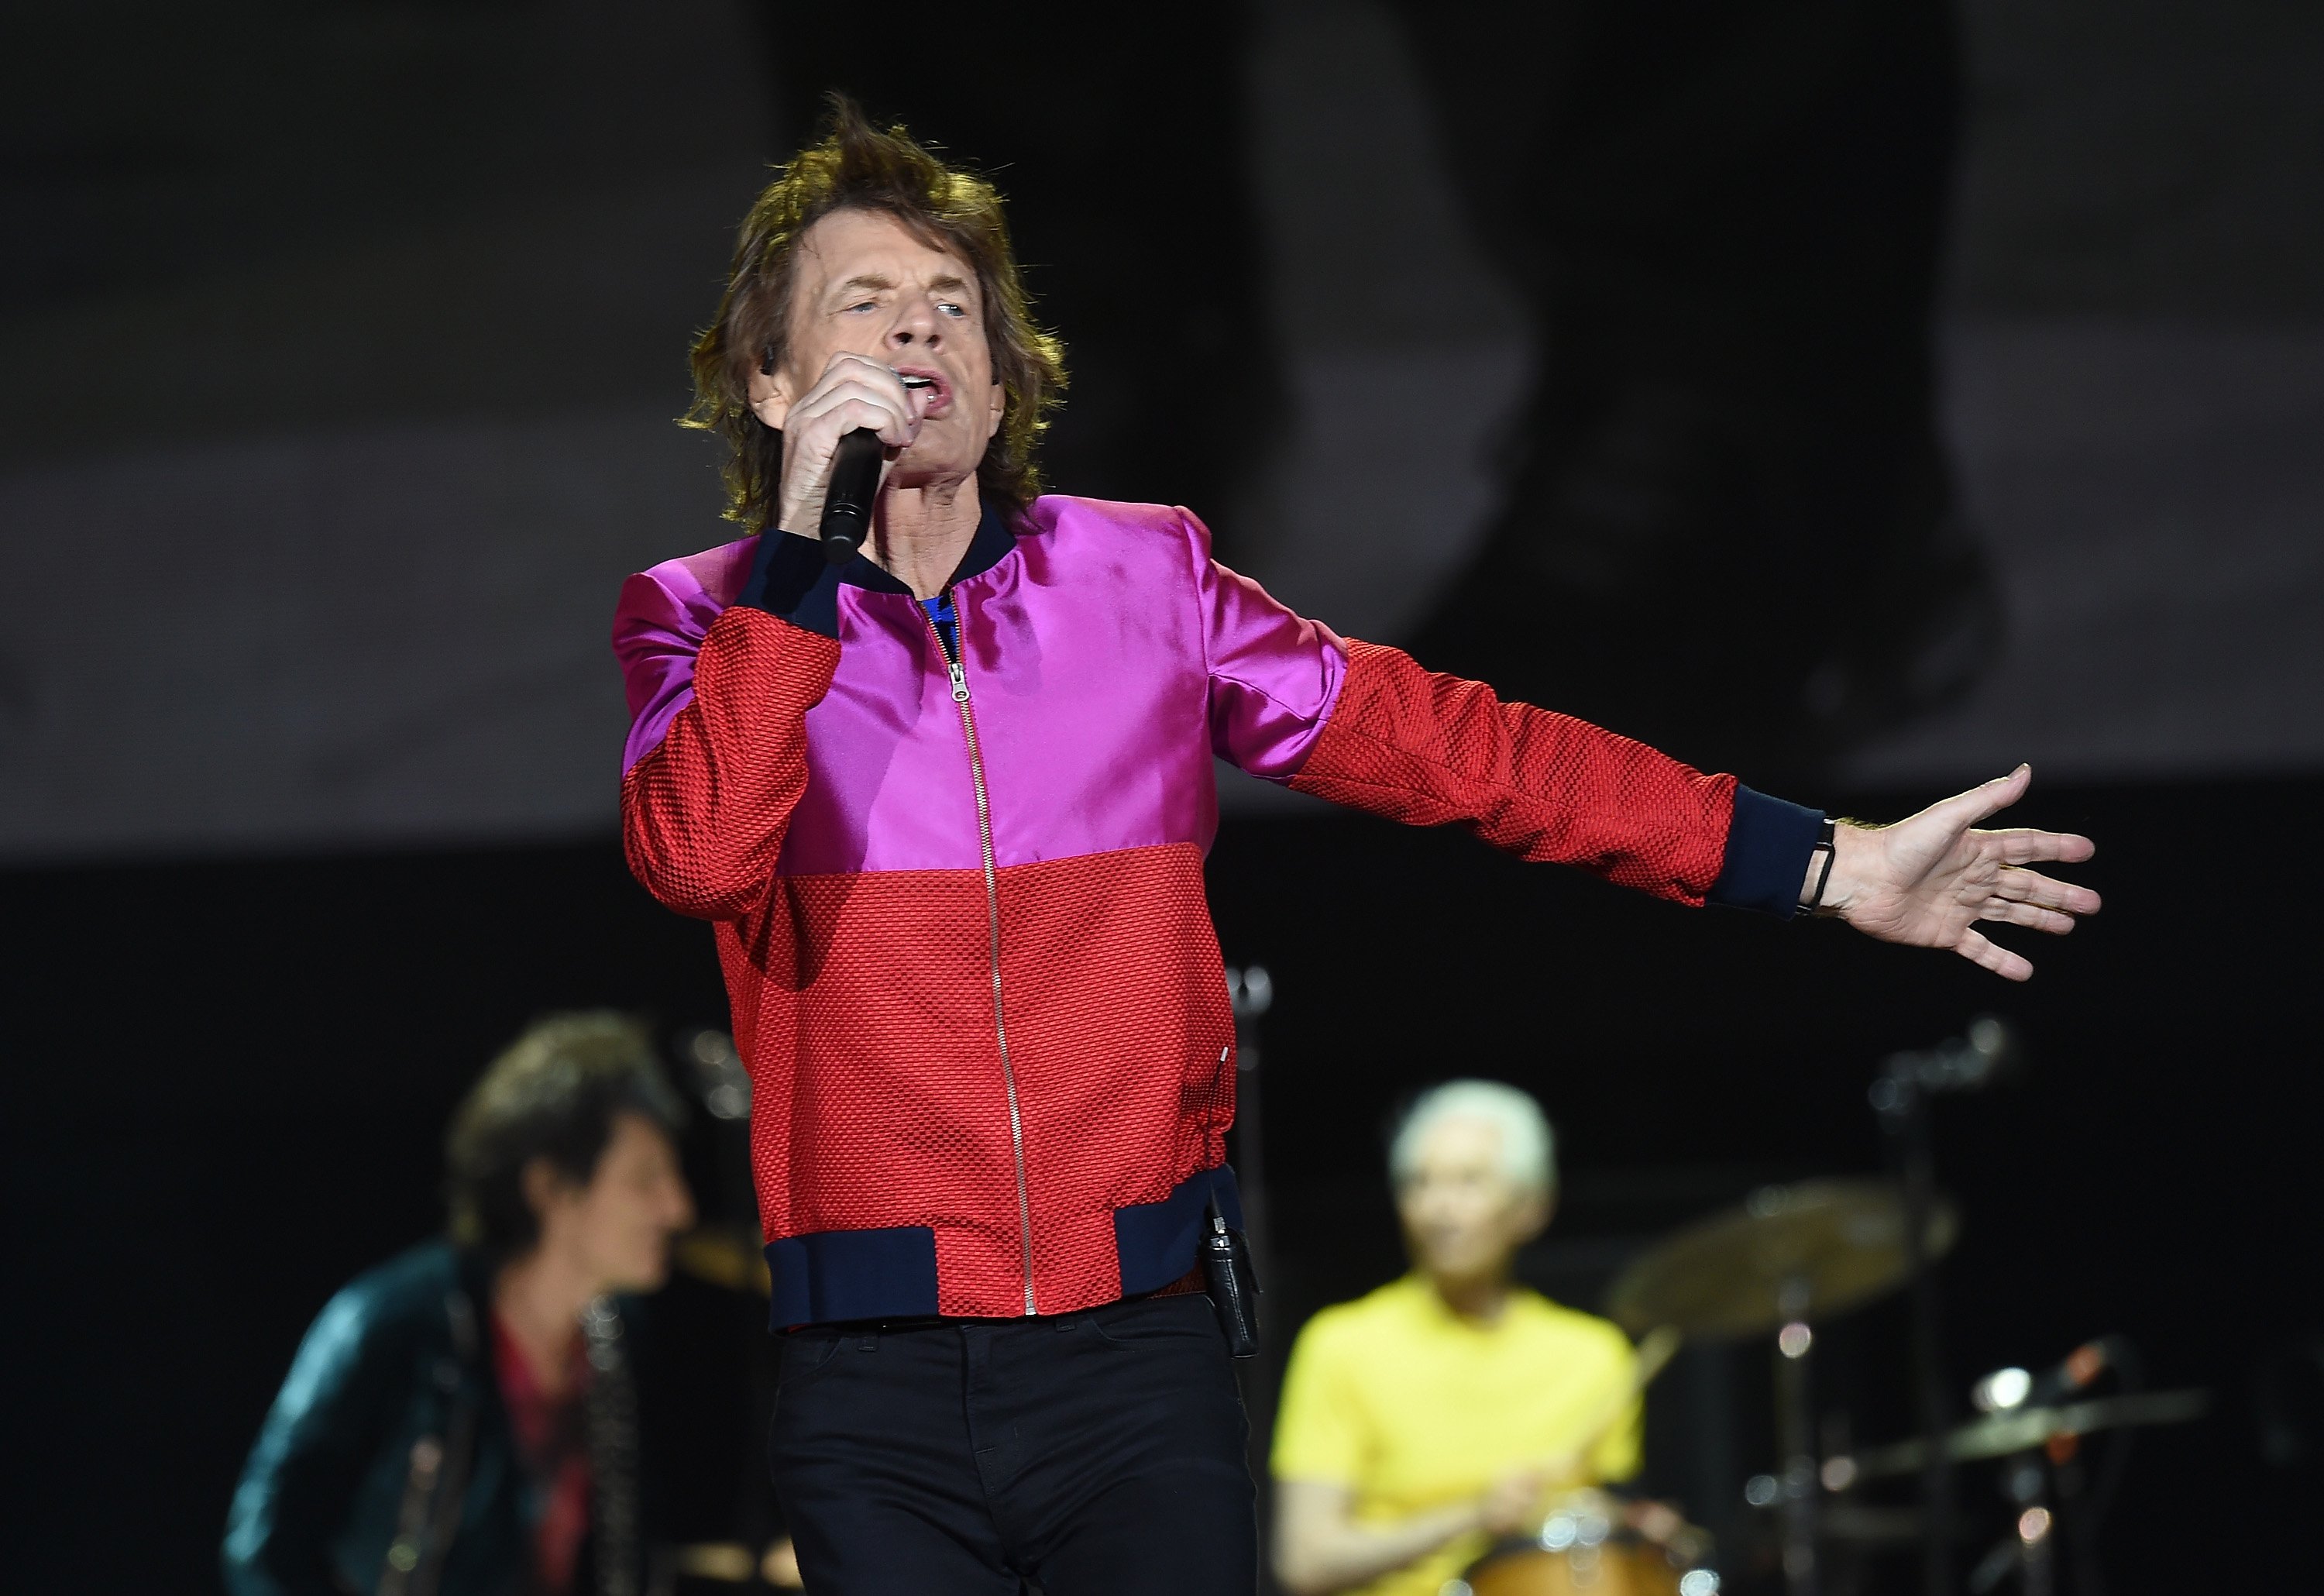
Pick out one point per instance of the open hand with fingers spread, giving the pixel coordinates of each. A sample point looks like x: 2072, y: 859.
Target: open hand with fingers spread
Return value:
x: 1930, y: 881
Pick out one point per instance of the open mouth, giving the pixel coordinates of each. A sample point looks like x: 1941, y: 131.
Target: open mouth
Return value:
x: 938, y: 391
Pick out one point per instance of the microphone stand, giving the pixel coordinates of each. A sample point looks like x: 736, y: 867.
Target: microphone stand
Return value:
x: 1900, y: 1097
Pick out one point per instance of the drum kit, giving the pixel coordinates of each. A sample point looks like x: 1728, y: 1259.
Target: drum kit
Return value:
x: 1787, y: 1259
x: 1592, y: 1544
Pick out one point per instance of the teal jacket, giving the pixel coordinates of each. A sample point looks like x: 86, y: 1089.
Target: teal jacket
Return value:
x: 339, y: 1495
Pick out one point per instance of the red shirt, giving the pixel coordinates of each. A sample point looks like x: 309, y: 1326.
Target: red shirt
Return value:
x: 552, y: 1438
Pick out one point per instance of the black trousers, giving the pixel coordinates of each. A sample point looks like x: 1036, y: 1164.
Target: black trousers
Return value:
x: 1099, y: 1453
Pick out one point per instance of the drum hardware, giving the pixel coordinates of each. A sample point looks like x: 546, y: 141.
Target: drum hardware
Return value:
x: 724, y: 1256
x: 1794, y: 1423
x: 1856, y: 1524
x: 2032, y: 1437
x: 1655, y: 1351
x: 2031, y: 1429
x: 727, y: 1563
x: 1596, y: 1544
x: 726, y: 1251
x: 1788, y: 1257
x: 1843, y: 1520
x: 1984, y: 1056
x: 1793, y: 1256
x: 1652, y: 1355
x: 2029, y: 1549
x: 734, y: 1563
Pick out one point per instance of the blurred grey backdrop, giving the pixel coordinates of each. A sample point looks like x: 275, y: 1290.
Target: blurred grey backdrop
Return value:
x: 342, y: 347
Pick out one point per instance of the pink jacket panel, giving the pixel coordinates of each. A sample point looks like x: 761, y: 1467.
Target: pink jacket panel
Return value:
x: 1107, y: 658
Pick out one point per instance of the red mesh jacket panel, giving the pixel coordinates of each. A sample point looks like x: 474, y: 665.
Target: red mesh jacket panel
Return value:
x: 1430, y: 750
x: 864, y: 1006
x: 703, y: 816
x: 1120, y: 1028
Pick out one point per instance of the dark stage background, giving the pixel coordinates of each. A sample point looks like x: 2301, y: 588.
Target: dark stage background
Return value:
x: 1861, y: 396
x: 230, y: 1088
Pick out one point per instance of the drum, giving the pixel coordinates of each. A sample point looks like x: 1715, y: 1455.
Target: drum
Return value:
x: 1592, y: 1546
x: 1612, y: 1568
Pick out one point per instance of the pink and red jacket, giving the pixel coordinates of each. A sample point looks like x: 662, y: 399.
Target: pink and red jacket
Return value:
x: 960, y: 907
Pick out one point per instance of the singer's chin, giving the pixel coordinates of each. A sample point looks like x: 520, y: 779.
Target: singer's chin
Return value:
x: 927, y: 461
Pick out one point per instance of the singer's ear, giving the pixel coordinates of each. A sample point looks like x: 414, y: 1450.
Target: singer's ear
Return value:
x: 770, y: 398
x: 1000, y: 403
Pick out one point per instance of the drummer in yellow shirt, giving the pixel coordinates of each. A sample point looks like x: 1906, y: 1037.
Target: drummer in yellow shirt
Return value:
x: 1442, y: 1411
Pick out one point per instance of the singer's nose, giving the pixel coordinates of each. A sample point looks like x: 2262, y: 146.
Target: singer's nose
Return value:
x: 916, y: 323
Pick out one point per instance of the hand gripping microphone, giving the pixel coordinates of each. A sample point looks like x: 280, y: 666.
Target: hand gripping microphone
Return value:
x: 847, y: 501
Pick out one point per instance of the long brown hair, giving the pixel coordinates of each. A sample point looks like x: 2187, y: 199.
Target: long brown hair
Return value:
x: 856, y: 166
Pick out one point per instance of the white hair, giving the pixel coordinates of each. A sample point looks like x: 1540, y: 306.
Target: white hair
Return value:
x: 1528, y: 1145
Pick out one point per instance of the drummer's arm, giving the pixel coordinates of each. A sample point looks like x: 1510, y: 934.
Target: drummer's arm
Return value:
x: 1320, y: 1548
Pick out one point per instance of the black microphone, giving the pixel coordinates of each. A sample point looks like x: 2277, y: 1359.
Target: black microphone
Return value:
x: 847, y: 501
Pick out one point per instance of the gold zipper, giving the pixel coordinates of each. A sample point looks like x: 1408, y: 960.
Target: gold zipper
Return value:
x: 993, y: 909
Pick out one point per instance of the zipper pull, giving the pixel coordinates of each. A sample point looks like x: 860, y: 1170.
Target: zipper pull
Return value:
x: 959, y: 685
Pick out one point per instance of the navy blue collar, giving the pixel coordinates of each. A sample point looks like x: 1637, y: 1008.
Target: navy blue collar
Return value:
x: 992, y: 544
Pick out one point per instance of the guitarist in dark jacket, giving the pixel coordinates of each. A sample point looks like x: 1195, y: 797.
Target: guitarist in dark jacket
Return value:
x: 462, y: 1421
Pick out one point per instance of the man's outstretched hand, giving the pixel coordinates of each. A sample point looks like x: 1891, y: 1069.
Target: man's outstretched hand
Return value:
x: 1929, y: 881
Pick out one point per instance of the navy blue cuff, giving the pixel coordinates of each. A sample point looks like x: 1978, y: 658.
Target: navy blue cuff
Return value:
x: 1768, y: 846
x: 789, y: 577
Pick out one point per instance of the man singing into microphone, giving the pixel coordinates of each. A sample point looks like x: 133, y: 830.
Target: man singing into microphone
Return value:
x: 946, y: 805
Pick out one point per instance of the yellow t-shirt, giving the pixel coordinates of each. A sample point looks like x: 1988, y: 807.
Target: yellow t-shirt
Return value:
x: 1398, y: 1398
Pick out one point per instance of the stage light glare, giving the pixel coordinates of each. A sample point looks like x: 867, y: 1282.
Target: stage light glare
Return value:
x: 2033, y: 1523
x: 2002, y: 1390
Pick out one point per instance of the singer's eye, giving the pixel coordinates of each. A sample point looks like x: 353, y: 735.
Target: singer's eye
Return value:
x: 951, y: 310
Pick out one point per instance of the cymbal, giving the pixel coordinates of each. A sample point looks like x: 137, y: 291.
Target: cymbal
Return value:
x: 1802, y: 1252
x: 724, y: 1256
x: 2025, y: 1428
